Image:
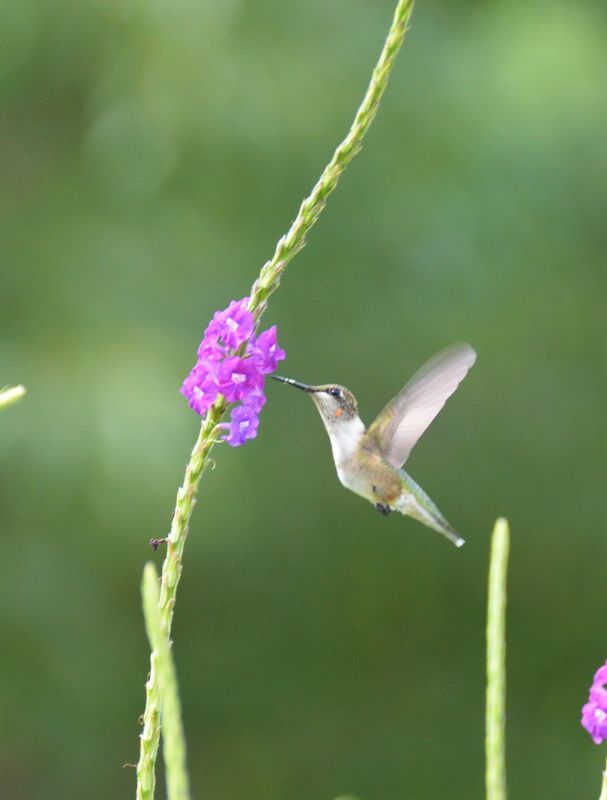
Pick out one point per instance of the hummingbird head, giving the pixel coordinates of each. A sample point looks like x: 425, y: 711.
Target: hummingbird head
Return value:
x: 335, y: 403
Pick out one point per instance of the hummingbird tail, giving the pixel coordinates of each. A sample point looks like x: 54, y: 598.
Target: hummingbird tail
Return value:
x: 418, y: 505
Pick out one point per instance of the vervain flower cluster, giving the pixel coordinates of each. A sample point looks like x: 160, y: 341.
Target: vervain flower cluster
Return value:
x: 239, y: 377
x: 594, y: 713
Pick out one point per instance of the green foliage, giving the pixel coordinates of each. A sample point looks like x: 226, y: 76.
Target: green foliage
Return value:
x: 152, y: 154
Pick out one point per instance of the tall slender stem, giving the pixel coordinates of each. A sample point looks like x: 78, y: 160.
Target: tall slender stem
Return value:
x: 604, y: 785
x: 171, y: 572
x: 310, y: 209
x: 495, y: 743
x: 173, y: 739
x: 264, y: 286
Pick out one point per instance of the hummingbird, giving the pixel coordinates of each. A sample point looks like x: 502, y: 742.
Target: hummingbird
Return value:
x: 369, y: 461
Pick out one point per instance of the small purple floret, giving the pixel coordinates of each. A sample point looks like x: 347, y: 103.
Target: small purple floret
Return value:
x: 594, y: 712
x: 199, y: 389
x: 267, y: 351
x: 255, y: 400
x: 243, y: 425
x: 237, y: 376
x: 231, y: 327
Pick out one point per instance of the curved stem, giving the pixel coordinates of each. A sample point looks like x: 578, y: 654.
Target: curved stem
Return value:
x: 264, y: 286
x: 171, y: 573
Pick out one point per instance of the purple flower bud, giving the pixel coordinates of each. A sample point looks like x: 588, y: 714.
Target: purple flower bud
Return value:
x: 594, y: 712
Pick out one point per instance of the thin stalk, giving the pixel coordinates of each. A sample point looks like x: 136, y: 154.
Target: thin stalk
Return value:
x: 171, y: 572
x: 10, y: 395
x: 310, y: 209
x: 604, y: 785
x: 495, y: 742
x: 150, y: 735
x: 264, y: 286
x: 173, y: 739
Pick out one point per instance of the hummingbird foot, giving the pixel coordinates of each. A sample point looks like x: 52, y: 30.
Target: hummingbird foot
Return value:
x: 383, y: 509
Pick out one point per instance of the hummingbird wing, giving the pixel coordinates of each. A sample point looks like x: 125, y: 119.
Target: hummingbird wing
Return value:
x: 398, y: 427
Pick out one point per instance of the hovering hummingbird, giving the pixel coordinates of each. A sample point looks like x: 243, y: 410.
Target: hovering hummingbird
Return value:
x: 369, y: 462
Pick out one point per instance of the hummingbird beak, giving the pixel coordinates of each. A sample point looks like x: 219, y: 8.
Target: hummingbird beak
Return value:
x: 299, y: 385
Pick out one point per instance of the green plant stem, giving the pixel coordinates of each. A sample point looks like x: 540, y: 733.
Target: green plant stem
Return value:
x: 171, y: 572
x: 10, y: 395
x: 604, y: 785
x: 495, y: 743
x: 310, y: 209
x: 264, y: 286
x: 150, y: 735
x: 173, y: 739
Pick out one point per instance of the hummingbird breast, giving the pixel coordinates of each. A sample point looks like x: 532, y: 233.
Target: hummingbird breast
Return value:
x: 361, y: 469
x: 368, y: 475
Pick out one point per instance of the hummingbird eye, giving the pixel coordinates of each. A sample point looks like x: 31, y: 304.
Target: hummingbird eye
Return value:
x: 334, y: 392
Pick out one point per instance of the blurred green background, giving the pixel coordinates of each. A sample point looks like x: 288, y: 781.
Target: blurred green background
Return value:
x: 151, y: 155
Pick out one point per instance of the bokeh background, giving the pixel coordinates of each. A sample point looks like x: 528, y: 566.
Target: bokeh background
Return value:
x: 151, y: 154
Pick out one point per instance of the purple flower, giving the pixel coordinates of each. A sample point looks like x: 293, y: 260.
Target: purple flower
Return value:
x: 266, y: 350
x: 238, y: 377
x: 210, y: 351
x: 594, y: 712
x: 255, y: 399
x: 199, y: 389
x: 224, y: 369
x: 242, y: 426
x: 600, y: 676
x: 233, y: 326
